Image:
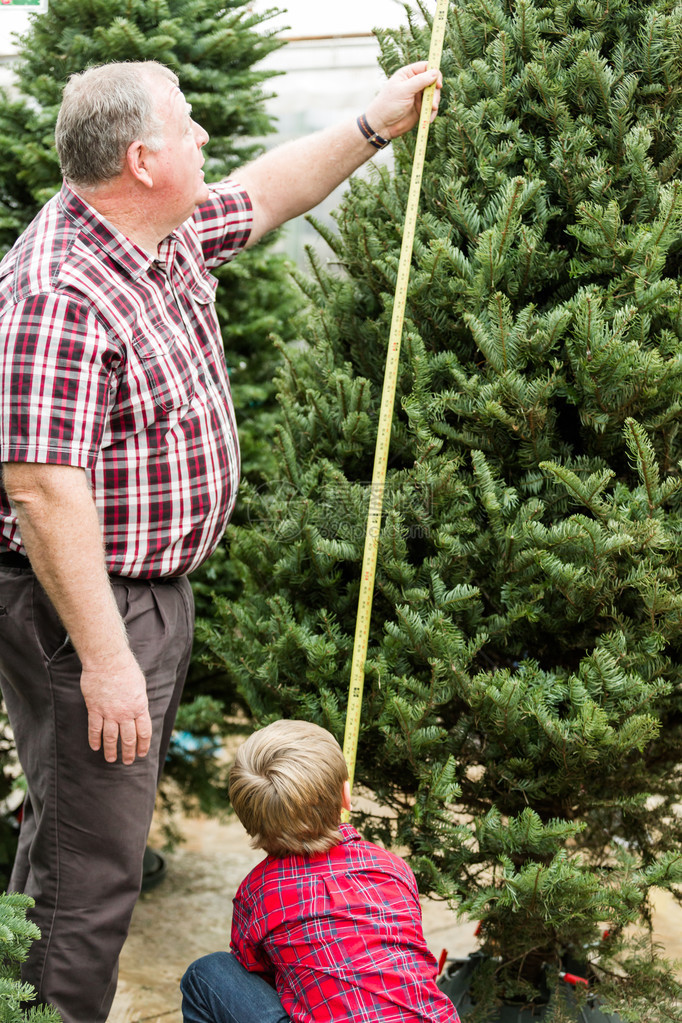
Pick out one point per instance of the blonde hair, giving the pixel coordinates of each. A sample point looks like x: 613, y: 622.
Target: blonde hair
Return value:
x: 103, y: 110
x: 286, y: 787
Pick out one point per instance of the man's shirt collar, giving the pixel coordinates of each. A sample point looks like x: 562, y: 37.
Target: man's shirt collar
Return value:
x: 100, y: 232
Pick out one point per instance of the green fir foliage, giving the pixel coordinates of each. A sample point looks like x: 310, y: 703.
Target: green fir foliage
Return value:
x: 16, y: 936
x: 521, y: 718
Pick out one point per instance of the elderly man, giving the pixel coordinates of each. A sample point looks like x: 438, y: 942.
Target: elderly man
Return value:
x: 120, y: 467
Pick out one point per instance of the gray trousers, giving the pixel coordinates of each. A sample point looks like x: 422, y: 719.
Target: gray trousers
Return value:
x: 86, y: 822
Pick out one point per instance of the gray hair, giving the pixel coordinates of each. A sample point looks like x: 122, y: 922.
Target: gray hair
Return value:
x: 103, y: 110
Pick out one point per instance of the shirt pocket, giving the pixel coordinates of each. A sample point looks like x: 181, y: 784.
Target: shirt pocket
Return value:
x: 167, y: 369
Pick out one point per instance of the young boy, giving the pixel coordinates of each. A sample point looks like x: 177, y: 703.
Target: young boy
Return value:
x: 327, y: 928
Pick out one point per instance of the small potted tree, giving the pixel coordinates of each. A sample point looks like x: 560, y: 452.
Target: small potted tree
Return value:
x: 16, y: 936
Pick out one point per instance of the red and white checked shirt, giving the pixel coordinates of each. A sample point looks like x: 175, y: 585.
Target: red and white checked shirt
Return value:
x: 112, y: 361
x: 340, y: 934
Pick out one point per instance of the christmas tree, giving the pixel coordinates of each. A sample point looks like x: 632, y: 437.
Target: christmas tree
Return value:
x: 521, y: 719
x: 214, y: 46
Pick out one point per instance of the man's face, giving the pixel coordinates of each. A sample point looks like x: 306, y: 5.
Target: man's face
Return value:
x: 178, y: 178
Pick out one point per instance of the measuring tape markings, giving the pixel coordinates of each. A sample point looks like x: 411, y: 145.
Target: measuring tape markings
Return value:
x: 369, y: 561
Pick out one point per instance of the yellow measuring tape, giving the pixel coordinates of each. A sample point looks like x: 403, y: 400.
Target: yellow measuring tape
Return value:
x: 369, y: 561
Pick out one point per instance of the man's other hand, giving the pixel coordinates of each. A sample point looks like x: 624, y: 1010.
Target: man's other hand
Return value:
x: 116, y: 699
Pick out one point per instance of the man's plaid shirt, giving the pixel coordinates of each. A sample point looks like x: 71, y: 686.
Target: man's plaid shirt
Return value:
x: 112, y: 361
x: 340, y: 934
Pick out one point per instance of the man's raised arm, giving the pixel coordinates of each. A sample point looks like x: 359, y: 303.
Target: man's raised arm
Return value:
x: 293, y: 178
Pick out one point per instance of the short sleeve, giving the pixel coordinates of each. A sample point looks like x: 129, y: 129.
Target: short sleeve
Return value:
x: 223, y: 223
x: 55, y: 378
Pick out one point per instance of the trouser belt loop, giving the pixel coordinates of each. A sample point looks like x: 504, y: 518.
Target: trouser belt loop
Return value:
x: 13, y: 559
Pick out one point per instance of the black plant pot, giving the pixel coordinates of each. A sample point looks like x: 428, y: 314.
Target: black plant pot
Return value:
x: 153, y: 869
x: 456, y: 983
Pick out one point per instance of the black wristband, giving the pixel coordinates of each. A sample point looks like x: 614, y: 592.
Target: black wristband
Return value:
x: 374, y: 140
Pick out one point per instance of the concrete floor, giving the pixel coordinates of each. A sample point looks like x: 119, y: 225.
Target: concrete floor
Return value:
x: 188, y: 915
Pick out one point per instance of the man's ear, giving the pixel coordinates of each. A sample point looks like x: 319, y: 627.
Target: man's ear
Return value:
x: 345, y: 797
x: 138, y: 164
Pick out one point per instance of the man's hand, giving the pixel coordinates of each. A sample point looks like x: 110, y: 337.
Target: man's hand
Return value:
x: 117, y: 708
x: 396, y: 109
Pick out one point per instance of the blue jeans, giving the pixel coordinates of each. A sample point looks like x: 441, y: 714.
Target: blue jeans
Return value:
x: 217, y: 989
